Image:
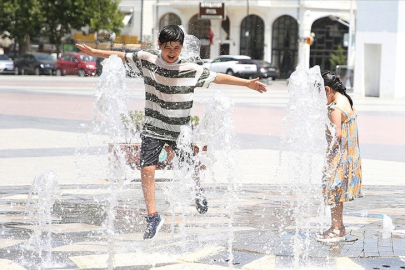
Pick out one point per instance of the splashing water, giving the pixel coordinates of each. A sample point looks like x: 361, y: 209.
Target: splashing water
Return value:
x: 43, y: 193
x: 302, y: 156
x: 388, y: 227
x: 191, y: 47
x: 111, y: 101
x: 216, y: 131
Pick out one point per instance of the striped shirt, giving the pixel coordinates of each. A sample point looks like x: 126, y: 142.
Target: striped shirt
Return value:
x: 169, y: 92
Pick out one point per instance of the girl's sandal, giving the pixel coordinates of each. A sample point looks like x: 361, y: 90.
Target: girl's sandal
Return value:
x: 332, y: 235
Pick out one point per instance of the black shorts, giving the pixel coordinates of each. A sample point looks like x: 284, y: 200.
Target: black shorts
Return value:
x: 151, y: 148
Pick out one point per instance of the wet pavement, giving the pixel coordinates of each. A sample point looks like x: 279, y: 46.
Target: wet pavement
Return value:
x: 259, y: 234
x: 44, y: 121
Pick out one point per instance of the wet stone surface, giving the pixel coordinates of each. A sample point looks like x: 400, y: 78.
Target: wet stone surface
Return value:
x: 258, y: 227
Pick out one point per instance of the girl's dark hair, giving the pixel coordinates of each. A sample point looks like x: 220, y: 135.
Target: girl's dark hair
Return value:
x: 333, y: 81
x: 171, y: 33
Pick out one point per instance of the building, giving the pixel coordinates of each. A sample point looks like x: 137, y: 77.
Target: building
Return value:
x: 380, y: 43
x: 275, y: 30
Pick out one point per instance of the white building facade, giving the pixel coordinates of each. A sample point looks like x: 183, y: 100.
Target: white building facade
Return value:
x: 274, y: 30
x: 380, y: 54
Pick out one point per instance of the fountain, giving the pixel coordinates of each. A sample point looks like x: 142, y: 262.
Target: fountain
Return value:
x: 121, y: 210
x: 215, y: 130
x: 302, y: 157
x: 43, y: 193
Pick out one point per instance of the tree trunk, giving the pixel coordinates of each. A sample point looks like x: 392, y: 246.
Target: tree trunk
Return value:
x: 25, y: 45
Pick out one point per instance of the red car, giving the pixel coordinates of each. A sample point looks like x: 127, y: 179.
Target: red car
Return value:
x: 76, y: 64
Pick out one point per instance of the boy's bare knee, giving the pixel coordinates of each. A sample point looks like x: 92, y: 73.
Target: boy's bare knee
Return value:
x: 148, y: 171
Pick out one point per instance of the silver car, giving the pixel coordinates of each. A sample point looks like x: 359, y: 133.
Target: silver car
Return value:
x: 6, y: 65
x: 235, y: 65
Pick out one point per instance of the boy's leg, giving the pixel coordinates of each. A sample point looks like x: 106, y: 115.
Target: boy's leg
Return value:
x: 148, y: 188
x: 187, y: 158
x: 150, y: 150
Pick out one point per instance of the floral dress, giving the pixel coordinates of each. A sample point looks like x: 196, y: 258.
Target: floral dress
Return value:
x: 342, y: 175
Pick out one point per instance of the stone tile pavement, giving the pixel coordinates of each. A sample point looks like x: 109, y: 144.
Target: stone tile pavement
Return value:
x: 259, y: 235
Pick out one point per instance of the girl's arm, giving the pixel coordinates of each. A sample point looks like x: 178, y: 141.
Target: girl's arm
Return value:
x: 335, y: 116
x: 99, y: 53
x: 231, y: 80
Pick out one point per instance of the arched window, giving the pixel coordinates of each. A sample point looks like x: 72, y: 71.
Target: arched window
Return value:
x: 252, y: 37
x: 169, y: 18
x: 328, y: 36
x: 284, y: 44
x: 201, y: 29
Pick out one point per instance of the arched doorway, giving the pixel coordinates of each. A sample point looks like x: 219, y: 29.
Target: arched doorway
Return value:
x: 201, y: 29
x: 285, y: 45
x: 169, y: 18
x: 329, y: 36
x: 252, y: 37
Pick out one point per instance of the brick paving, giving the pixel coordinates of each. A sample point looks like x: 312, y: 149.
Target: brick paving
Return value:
x: 78, y: 231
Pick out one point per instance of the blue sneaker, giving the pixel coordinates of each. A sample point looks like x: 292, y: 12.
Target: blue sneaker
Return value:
x: 154, y: 223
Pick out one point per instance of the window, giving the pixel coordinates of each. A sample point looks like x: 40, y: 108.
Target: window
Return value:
x: 285, y: 45
x: 169, y: 18
x: 128, y: 14
x: 200, y: 29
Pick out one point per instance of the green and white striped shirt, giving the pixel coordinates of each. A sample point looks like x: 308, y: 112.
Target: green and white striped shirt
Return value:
x: 169, y: 92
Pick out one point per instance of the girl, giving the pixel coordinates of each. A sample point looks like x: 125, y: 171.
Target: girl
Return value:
x: 342, y: 175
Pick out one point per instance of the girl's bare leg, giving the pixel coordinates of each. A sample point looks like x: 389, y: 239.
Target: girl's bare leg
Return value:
x: 337, y: 216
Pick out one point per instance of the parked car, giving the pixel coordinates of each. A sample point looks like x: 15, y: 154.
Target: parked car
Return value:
x: 76, y: 64
x: 6, y: 65
x: 236, y: 65
x: 130, y: 72
x: 266, y: 69
x: 35, y: 63
x: 206, y: 63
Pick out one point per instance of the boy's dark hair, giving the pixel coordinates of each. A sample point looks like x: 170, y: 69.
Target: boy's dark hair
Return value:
x: 171, y: 33
x: 333, y: 81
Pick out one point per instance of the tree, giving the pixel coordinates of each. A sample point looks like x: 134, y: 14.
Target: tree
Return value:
x: 105, y: 15
x: 26, y: 19
x: 64, y: 15
x: 338, y: 57
x: 21, y: 20
x: 61, y: 17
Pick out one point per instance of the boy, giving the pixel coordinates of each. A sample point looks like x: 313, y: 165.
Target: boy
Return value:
x: 169, y: 90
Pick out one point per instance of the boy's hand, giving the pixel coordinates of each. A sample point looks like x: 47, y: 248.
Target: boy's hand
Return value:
x: 256, y: 85
x: 85, y: 49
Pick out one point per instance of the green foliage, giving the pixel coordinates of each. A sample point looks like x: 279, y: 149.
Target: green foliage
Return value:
x: 195, y: 121
x: 133, y: 122
x: 61, y: 17
x: 338, y: 57
x: 21, y: 19
x: 105, y: 15
x: 28, y: 19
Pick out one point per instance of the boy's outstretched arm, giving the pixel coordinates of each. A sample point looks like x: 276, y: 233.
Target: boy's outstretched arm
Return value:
x: 99, y: 53
x: 231, y: 80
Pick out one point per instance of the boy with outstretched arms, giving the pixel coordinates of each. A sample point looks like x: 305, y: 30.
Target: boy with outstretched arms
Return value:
x: 169, y: 91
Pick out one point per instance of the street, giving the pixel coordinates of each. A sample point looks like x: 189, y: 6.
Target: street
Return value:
x: 46, y: 117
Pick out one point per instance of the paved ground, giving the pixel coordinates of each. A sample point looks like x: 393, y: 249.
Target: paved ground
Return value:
x: 44, y: 125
